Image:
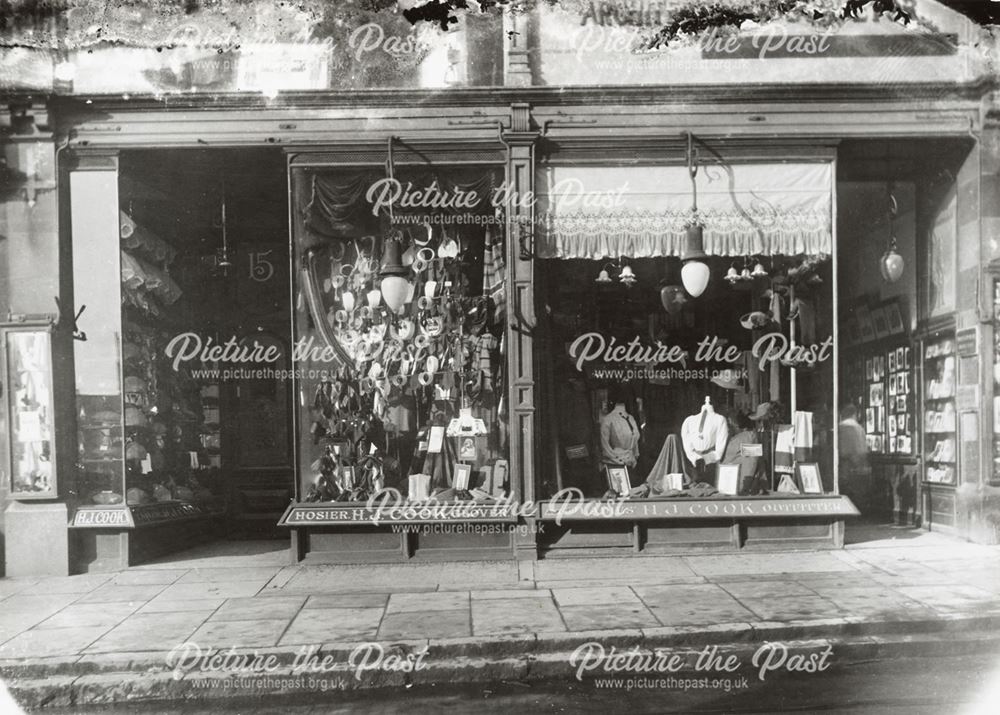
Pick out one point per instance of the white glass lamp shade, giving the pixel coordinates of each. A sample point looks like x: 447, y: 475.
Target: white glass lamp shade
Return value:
x: 892, y: 265
x: 395, y: 290
x: 347, y: 300
x: 694, y: 276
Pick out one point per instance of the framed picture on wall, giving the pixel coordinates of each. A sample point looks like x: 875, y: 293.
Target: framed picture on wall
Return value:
x: 940, y: 244
x: 851, y: 331
x: 869, y: 369
x: 880, y: 323
x: 865, y: 323
x: 809, y: 478
x: 894, y: 316
x: 892, y: 361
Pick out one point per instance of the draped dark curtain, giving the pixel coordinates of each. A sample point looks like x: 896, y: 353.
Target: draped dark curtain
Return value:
x: 335, y: 204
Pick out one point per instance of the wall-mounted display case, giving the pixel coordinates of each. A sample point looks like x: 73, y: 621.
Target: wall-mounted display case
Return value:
x: 29, y: 429
x: 939, y: 443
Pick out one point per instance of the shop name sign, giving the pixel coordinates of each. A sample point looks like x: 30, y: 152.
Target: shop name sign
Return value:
x: 404, y: 513
x: 105, y: 518
x: 769, y: 348
x: 567, y: 507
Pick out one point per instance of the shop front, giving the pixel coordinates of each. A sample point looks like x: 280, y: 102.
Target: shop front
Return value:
x: 511, y: 316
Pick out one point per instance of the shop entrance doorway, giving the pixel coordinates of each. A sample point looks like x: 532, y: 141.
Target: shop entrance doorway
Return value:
x: 206, y: 336
x: 897, y: 366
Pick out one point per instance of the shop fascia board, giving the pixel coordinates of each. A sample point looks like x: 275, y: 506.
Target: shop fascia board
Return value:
x: 134, y: 127
x: 316, y: 118
x: 640, y: 124
x: 596, y: 131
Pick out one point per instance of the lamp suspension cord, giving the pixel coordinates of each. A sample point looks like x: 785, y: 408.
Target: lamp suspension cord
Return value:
x: 893, y: 212
x: 692, y: 171
x: 389, y: 172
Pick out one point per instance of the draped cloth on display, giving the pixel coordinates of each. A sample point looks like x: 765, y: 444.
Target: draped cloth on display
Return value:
x: 337, y: 204
x: 639, y: 212
x: 670, y: 461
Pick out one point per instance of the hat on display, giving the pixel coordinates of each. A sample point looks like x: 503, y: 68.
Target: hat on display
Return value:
x: 134, y: 417
x: 134, y: 384
x: 137, y: 496
x: 135, y: 451
x: 131, y: 351
x: 756, y: 319
x: 727, y: 379
x: 763, y: 411
x: 107, y: 416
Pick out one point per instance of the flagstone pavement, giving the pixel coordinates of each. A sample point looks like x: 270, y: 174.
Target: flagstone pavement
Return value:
x: 257, y: 600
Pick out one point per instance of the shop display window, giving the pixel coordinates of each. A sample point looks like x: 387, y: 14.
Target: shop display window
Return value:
x: 27, y: 372
x: 996, y: 381
x: 664, y: 363
x: 653, y: 391
x: 399, y: 321
x: 940, y: 448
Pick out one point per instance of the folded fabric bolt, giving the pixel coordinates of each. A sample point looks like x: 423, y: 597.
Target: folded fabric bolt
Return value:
x: 784, y: 448
x: 803, y: 431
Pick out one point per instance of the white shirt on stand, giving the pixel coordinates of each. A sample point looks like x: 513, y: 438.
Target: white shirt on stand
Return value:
x: 704, y: 436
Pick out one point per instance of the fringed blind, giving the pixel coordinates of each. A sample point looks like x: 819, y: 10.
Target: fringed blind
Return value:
x: 639, y: 212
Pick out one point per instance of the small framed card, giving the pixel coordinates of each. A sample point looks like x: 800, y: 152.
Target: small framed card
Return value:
x: 729, y: 479
x: 618, y: 480
x: 467, y: 448
x: 419, y: 487
x: 809, y: 477
x: 463, y: 475
x: 674, y: 481
x: 498, y: 482
x: 435, y: 440
x: 749, y: 449
x: 892, y: 361
x: 348, y: 477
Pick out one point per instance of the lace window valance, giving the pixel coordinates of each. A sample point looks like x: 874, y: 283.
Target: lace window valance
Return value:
x: 639, y: 212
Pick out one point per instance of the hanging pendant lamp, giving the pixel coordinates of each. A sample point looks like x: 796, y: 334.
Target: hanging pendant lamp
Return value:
x: 394, y: 286
x: 891, y: 264
x: 694, y: 271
